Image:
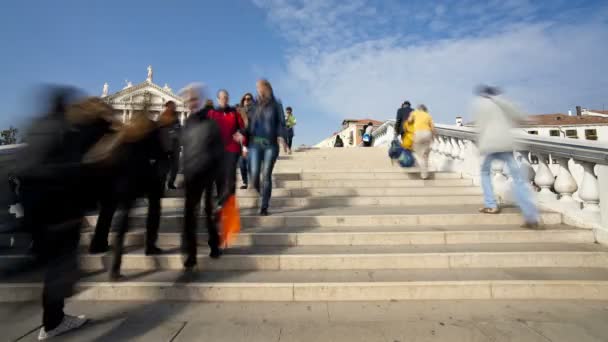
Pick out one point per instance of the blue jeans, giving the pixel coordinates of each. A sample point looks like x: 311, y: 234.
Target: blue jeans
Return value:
x: 523, y: 196
x: 262, y: 159
x: 244, y: 165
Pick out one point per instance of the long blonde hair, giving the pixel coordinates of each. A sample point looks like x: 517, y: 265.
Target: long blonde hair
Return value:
x: 266, y: 84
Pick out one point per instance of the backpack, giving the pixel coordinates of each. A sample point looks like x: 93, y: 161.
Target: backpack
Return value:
x: 203, y: 147
x: 367, y: 137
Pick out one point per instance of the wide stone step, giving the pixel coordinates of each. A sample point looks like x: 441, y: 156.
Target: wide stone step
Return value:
x: 321, y: 202
x: 361, y: 176
x: 350, y: 184
x: 354, y: 191
x: 350, y: 285
x: 360, y: 217
x: 374, y: 237
x: 353, y: 236
x: 360, y: 257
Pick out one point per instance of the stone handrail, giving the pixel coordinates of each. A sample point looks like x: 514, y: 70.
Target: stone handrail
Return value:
x: 571, y: 176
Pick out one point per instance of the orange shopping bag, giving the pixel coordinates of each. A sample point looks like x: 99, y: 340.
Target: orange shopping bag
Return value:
x: 230, y: 220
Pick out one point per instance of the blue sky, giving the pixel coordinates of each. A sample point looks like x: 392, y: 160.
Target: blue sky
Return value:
x: 329, y: 59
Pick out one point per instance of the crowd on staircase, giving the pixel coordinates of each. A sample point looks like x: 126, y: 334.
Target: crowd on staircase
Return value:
x: 80, y: 158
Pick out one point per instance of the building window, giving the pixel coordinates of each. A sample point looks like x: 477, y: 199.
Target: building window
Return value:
x: 591, y: 134
x: 572, y: 133
x: 554, y: 132
x: 533, y: 132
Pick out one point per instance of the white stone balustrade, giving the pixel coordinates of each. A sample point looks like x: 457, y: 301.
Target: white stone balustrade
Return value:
x: 582, y: 197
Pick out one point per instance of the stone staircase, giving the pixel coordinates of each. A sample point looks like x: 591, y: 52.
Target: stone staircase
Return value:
x: 347, y: 225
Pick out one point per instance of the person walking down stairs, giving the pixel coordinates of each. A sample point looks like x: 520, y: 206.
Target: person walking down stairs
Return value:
x: 245, y: 109
x: 495, y: 117
x: 267, y: 131
x: 290, y: 122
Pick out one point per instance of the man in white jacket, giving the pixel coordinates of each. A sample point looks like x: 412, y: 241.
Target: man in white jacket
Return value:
x: 495, y: 117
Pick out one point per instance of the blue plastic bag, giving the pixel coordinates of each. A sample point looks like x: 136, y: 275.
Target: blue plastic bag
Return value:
x: 406, y: 158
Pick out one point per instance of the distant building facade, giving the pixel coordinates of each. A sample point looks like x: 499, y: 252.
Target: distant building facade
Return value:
x: 132, y: 99
x: 584, y: 124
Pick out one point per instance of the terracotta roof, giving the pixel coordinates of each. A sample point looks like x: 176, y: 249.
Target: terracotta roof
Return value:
x: 560, y: 119
x: 363, y: 121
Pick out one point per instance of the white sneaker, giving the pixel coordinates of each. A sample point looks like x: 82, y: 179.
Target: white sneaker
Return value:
x: 68, y: 323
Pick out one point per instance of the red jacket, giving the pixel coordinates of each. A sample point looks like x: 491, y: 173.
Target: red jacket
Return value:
x: 230, y: 122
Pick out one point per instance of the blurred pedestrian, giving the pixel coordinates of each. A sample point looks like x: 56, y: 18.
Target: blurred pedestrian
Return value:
x: 203, y: 156
x: 290, y: 123
x: 170, y: 128
x: 245, y: 109
x: 367, y: 138
x: 338, y: 142
x: 403, y: 115
x: 55, y: 192
x: 232, y: 129
x: 422, y: 124
x: 494, y: 118
x: 135, y: 161
x: 140, y: 173
x: 267, y: 131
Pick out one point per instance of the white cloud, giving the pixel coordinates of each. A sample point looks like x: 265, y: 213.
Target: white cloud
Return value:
x: 547, y: 66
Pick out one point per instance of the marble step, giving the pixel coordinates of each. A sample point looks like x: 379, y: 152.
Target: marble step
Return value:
x: 341, y: 216
x: 321, y: 202
x: 303, y: 258
x: 354, y: 236
x: 347, y: 285
x: 353, y: 192
x: 375, y: 236
x: 397, y: 184
x: 361, y: 176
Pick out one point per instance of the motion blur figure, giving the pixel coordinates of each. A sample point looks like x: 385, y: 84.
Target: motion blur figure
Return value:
x: 140, y: 174
x: 170, y: 128
x: 495, y: 118
x: 202, y: 160
x: 55, y: 189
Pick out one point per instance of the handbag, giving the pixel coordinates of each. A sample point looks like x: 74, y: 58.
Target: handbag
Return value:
x: 230, y: 219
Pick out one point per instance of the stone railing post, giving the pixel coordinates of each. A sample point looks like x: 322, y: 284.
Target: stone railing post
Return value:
x: 544, y: 178
x: 590, y: 187
x: 565, y: 184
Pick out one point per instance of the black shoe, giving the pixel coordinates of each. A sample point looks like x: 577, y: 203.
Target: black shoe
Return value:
x: 264, y: 212
x: 244, y: 186
x: 172, y: 186
x: 153, y: 250
x: 114, y: 276
x: 216, y: 253
x: 190, y: 263
x: 93, y: 249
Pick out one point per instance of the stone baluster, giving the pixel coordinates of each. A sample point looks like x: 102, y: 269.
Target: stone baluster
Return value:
x: 434, y: 151
x: 463, y: 153
x: 565, y: 184
x: 589, y: 191
x: 525, y: 166
x: 544, y: 177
